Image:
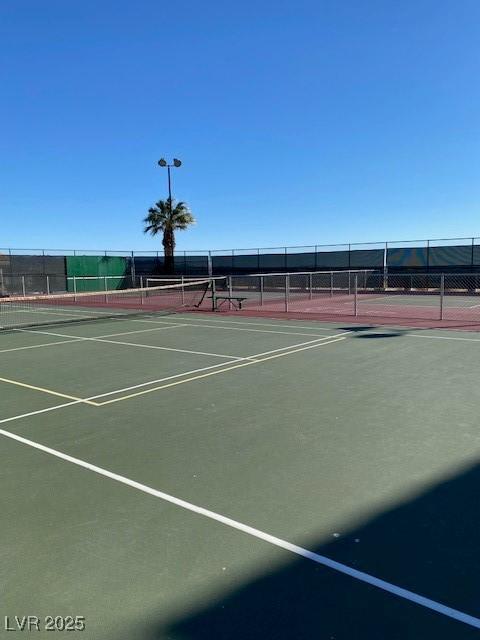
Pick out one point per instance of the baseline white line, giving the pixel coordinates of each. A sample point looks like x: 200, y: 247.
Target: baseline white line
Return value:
x: 361, y: 576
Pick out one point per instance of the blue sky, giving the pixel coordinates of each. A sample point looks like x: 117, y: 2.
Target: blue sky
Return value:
x: 297, y: 122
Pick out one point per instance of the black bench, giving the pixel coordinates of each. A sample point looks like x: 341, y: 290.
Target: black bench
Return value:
x: 235, y: 300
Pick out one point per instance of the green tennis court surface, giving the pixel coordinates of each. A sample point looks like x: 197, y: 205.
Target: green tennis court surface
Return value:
x: 192, y: 477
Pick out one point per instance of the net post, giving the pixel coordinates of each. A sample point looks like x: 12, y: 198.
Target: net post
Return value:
x: 48, y: 284
x: 230, y: 291
x: 23, y: 286
x: 183, y: 291
x: 331, y: 284
x: 355, y: 294
x: 442, y: 294
x: 261, y: 291
x: 214, y: 294
x: 141, y: 282
x: 310, y: 286
x: 287, y: 291
x: 74, y: 288
x: 105, y: 287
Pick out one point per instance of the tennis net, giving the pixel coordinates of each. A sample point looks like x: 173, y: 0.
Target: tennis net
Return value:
x: 31, y: 311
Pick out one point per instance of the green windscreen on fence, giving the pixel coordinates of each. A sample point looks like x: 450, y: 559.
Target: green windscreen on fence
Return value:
x: 90, y: 272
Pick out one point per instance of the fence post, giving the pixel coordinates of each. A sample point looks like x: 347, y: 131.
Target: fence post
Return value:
x: 105, y: 287
x: 74, y: 288
x: 210, y: 266
x: 261, y: 291
x: 48, y: 285
x: 230, y: 291
x: 310, y: 286
x: 331, y: 284
x: 442, y: 294
x: 355, y: 299
x: 183, y: 291
x: 287, y: 291
x: 23, y: 286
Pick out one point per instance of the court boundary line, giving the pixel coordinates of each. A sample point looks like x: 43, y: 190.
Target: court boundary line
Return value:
x: 227, y: 368
x: 206, y: 326
x: 91, y: 399
x: 133, y: 344
x: 51, y: 392
x: 295, y: 549
x: 73, y: 338
x: 37, y: 346
x: 252, y: 359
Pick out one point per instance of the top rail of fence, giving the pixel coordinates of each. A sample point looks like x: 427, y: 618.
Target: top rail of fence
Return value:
x: 316, y: 248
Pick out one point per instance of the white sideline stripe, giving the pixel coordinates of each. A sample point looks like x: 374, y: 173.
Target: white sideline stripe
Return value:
x: 249, y: 359
x: 36, y: 346
x: 256, y: 533
x: 150, y: 382
x: 218, y: 326
x: 260, y: 324
x: 134, y: 344
x: 76, y: 338
x: 51, y: 392
x: 301, y: 344
x: 412, y: 335
x: 91, y: 399
x: 39, y: 411
x: 227, y: 367
x: 127, y: 333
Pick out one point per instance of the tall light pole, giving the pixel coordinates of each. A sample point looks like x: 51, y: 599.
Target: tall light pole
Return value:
x: 176, y: 163
x: 163, y: 163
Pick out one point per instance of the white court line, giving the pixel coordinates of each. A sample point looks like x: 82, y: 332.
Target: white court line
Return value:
x: 413, y: 335
x: 246, y: 323
x: 301, y: 344
x: 51, y: 392
x: 226, y: 368
x: 134, y: 344
x: 212, y: 326
x: 91, y: 399
x: 39, y: 411
x: 165, y: 379
x: 248, y: 360
x: 74, y: 338
x: 37, y: 346
x: 127, y: 333
x: 355, y: 574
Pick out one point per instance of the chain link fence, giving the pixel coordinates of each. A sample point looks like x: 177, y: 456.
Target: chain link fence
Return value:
x: 420, y: 296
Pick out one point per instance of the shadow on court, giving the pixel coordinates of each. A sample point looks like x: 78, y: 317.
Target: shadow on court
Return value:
x: 368, y: 332
x: 428, y: 545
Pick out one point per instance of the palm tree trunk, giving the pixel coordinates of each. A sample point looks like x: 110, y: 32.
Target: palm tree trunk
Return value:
x: 168, y: 248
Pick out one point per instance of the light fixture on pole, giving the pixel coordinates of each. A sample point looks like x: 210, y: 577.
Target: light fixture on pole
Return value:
x: 163, y: 163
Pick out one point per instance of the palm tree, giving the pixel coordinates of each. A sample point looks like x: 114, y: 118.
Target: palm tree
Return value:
x: 167, y: 217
